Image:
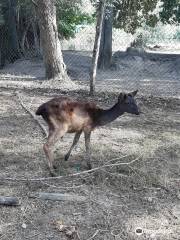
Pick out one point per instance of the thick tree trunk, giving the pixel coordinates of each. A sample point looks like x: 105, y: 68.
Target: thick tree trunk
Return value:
x: 51, y: 47
x: 105, y: 55
x: 97, y: 45
x: 14, y: 51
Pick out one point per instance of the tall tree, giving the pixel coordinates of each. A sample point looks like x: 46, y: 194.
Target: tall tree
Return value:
x: 127, y: 15
x: 52, y: 54
x: 2, y: 55
x: 100, y: 17
x: 105, y: 53
x: 12, y: 30
x: 9, y: 34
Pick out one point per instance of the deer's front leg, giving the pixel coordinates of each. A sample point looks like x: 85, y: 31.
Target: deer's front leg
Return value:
x: 87, y: 136
x: 75, y: 141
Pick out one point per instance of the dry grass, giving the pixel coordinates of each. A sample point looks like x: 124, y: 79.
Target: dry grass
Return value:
x: 137, y: 200
x: 120, y: 199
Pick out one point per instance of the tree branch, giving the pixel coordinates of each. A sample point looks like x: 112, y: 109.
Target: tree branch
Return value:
x: 33, y: 116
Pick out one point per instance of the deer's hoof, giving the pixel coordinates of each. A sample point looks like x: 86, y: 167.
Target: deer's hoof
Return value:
x: 55, y: 167
x: 66, y: 157
x: 89, y: 166
x: 52, y: 173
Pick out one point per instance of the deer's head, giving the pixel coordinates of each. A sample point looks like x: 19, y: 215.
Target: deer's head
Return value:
x: 128, y: 103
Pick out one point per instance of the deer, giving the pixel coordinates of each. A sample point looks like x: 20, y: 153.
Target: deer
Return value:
x: 66, y: 115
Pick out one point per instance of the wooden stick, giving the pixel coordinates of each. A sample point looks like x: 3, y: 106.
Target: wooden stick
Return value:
x: 9, y: 201
x: 93, y: 236
x: 58, y: 197
x: 74, y: 174
x: 33, y: 116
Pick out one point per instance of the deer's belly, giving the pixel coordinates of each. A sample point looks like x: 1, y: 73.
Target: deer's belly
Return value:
x: 78, y: 123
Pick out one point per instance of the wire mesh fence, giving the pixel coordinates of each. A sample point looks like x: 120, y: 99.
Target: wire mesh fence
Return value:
x: 148, y: 60
x: 133, y: 189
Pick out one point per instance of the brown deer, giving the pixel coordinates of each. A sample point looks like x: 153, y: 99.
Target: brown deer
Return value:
x: 65, y: 115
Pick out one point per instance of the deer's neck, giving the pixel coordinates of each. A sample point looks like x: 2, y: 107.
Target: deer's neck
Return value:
x: 106, y: 116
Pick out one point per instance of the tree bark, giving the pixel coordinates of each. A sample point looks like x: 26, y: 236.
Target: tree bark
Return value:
x: 52, y: 54
x: 2, y: 47
x: 97, y: 45
x: 36, y: 38
x: 14, y: 51
x: 105, y: 55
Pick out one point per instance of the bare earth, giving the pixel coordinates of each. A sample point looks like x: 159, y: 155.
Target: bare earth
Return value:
x: 135, y: 197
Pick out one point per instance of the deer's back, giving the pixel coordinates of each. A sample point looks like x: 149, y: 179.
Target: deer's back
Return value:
x: 74, y: 114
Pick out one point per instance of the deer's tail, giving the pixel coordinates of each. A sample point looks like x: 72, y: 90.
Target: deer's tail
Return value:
x: 42, y: 111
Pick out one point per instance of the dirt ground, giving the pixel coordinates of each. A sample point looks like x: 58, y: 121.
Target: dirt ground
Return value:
x: 138, y: 198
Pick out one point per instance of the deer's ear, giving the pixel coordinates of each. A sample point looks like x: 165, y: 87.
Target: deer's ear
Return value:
x: 122, y: 97
x: 133, y: 93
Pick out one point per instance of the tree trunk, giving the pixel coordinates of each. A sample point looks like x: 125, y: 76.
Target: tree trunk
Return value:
x: 24, y: 38
x: 2, y: 47
x: 12, y: 31
x: 105, y: 55
x: 97, y: 45
x: 36, y: 38
x: 52, y: 54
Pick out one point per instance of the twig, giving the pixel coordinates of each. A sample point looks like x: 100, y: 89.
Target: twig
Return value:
x: 32, y: 236
x: 33, y: 116
x: 70, y: 175
x: 115, y: 174
x: 58, y: 187
x: 34, y: 3
x: 96, y: 232
x: 118, y: 158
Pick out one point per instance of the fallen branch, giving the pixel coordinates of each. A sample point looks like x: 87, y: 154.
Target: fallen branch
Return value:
x: 34, y: 3
x: 33, y: 116
x: 9, y: 201
x: 72, y: 175
x: 97, y: 231
x: 58, y: 197
x: 64, y: 187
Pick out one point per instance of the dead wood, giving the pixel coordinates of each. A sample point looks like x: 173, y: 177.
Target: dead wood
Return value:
x: 58, y: 197
x: 33, y: 116
x: 9, y: 201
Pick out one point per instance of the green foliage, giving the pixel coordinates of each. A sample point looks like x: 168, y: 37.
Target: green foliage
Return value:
x: 129, y: 15
x: 69, y: 17
x: 171, y: 11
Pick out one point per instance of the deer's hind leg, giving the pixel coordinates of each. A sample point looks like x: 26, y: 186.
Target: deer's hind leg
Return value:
x: 75, y: 141
x: 87, y: 136
x: 55, y: 133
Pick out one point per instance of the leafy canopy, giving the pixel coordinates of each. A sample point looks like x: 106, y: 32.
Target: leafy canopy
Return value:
x: 131, y: 14
x: 69, y: 17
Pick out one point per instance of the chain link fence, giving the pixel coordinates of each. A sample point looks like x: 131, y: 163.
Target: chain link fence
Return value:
x: 148, y: 60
